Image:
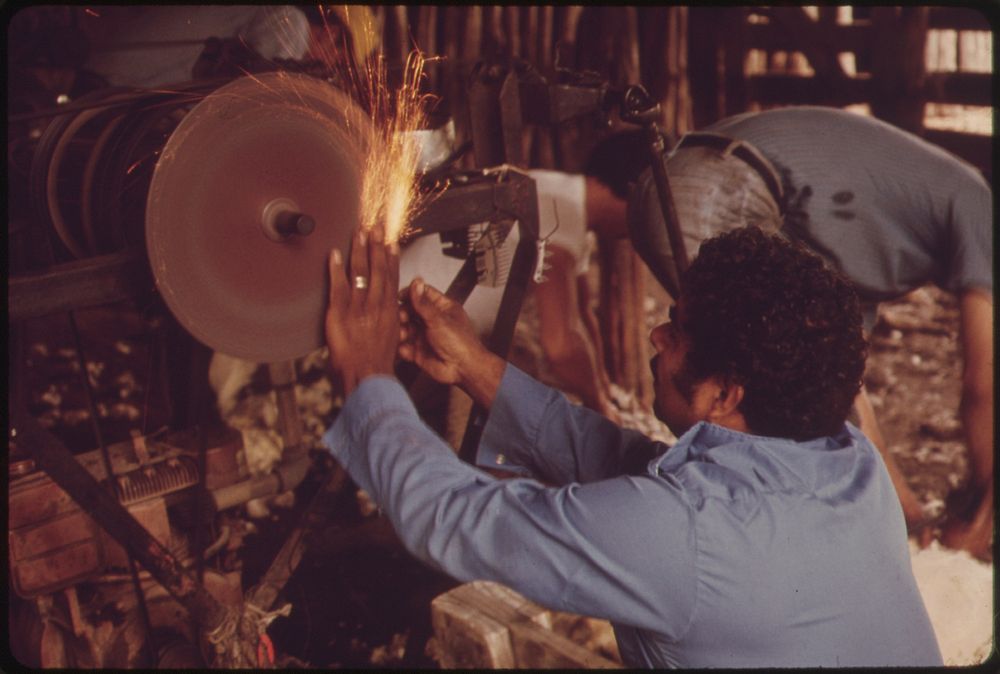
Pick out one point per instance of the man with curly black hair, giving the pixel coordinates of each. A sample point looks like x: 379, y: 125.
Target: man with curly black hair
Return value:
x: 792, y: 353
x: 769, y: 535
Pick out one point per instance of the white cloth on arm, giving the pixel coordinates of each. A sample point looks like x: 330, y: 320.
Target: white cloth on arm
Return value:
x: 562, y: 213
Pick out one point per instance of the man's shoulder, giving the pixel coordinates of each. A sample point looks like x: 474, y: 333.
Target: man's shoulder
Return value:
x: 711, y: 461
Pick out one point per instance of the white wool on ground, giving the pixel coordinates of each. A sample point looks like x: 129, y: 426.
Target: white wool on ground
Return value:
x: 632, y: 415
x: 261, y: 450
x: 255, y: 415
x: 315, y: 360
x: 958, y: 593
x: 315, y: 402
x: 257, y: 509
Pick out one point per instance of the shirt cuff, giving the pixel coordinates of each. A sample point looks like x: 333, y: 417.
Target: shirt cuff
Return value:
x: 511, y: 433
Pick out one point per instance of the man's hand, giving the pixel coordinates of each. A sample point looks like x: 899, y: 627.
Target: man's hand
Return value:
x: 438, y: 336
x: 362, y: 317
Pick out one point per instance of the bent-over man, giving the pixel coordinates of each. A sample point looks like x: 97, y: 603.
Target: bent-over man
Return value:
x: 887, y: 209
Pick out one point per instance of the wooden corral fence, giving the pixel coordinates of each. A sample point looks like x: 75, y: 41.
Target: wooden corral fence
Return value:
x: 485, y: 625
x: 702, y: 63
x: 900, y: 62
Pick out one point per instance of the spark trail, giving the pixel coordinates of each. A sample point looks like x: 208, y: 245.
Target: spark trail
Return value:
x: 389, y: 192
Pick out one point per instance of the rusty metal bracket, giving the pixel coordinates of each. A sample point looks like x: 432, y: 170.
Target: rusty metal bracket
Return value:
x: 316, y: 514
x: 76, y: 285
x: 638, y: 107
x: 513, y: 196
x: 511, y: 119
x: 60, y: 464
x: 484, y: 114
x: 506, y: 95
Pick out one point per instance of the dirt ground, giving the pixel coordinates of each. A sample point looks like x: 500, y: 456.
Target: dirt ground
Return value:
x: 914, y: 381
x: 366, y: 603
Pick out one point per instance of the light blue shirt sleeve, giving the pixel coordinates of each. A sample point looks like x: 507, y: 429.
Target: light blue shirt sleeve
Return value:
x: 621, y: 548
x: 534, y: 430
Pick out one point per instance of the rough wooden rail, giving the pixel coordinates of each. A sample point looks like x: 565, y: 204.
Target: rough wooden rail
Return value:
x: 485, y: 625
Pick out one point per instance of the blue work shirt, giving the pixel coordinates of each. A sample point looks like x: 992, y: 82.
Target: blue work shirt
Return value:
x: 726, y: 550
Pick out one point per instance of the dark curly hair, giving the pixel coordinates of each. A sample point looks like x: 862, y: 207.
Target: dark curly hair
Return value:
x: 768, y: 314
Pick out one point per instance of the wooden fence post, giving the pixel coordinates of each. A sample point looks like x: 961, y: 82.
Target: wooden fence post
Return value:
x: 898, y: 65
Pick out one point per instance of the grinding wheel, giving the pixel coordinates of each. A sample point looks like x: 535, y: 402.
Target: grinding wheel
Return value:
x: 255, y: 186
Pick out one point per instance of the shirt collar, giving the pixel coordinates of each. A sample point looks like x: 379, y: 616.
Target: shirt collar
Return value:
x: 710, y: 442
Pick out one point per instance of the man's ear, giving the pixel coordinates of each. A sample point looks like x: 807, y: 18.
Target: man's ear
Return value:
x: 725, y: 407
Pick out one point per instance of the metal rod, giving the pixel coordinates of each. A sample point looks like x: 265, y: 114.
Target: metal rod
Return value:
x: 657, y: 159
x: 638, y: 107
x: 283, y: 379
x: 191, y: 91
x: 149, y: 44
x: 106, y: 460
x: 314, y: 516
x: 78, y: 284
x: 201, y: 504
x: 510, y: 303
x: 81, y: 362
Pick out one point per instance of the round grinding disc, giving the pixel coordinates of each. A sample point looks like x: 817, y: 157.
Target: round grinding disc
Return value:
x: 259, y: 150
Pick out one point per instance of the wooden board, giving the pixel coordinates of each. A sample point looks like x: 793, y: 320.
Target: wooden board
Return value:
x: 487, y: 625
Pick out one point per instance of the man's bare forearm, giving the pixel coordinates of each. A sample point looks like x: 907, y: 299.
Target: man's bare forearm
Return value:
x: 977, y: 385
x: 481, y: 377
